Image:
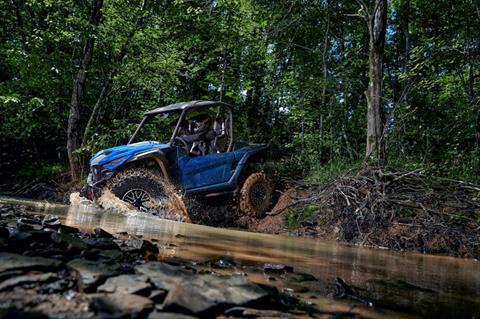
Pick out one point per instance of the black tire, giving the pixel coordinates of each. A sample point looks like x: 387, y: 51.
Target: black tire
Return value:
x: 138, y: 187
x: 256, y: 195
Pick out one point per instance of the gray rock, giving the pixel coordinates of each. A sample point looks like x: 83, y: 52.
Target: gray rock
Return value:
x: 4, y: 233
x: 21, y: 226
x: 68, y: 241
x: 204, y: 294
x: 27, y: 220
x: 93, y: 272
x: 10, y: 261
x: 256, y: 313
x: 100, y: 232
x: 165, y: 276
x: 24, y: 239
x: 114, y: 254
x: 101, y: 243
x: 222, y: 263
x: 121, y: 305
x: 27, y: 279
x: 129, y: 284
x: 168, y: 315
x: 19, y: 314
x: 67, y: 229
x: 158, y: 295
x: 276, y: 268
x: 51, y: 220
x: 143, y: 247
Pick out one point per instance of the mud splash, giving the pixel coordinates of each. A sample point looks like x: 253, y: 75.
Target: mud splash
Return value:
x: 171, y: 206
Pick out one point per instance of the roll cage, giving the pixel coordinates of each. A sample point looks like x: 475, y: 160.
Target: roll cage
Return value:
x: 184, y: 108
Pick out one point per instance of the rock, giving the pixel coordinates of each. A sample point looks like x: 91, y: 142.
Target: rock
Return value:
x: 101, y: 243
x: 90, y: 254
x: 68, y: 241
x: 23, y: 239
x: 222, y: 263
x: 165, y: 276
x: 302, y: 277
x: 204, y: 295
x: 99, y: 232
x: 288, y: 291
x: 143, y: 247
x: 8, y: 274
x: 113, y: 254
x: 93, y: 273
x: 158, y: 296
x: 21, y: 314
x: 255, y: 313
x: 120, y: 305
x: 276, y: 268
x: 129, y: 284
x: 10, y: 261
x: 32, y: 221
x: 168, y: 315
x: 27, y: 279
x: 4, y: 233
x: 177, y: 261
x: 21, y: 226
x: 64, y: 229
x: 51, y: 220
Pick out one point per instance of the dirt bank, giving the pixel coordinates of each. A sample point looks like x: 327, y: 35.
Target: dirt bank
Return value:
x: 394, y: 210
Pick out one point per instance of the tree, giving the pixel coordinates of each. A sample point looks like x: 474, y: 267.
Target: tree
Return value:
x: 78, y: 91
x: 376, y: 18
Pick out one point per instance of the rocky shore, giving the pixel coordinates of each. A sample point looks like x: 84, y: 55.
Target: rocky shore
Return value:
x: 50, y: 270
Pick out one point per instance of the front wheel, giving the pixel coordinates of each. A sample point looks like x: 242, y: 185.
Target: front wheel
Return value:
x: 256, y: 195
x: 138, y: 187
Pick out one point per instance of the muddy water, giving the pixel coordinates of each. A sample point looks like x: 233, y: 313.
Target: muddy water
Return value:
x: 399, y: 284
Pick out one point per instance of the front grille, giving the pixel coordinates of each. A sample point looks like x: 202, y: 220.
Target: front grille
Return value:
x: 96, y: 173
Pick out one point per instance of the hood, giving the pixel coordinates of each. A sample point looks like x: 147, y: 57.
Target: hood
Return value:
x: 113, y: 157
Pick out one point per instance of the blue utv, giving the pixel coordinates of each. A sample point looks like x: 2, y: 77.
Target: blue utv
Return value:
x: 201, y: 157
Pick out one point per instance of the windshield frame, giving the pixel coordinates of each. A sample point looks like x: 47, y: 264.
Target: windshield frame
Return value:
x: 181, y: 118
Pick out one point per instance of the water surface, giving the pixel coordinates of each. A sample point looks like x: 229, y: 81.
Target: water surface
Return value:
x: 402, y: 284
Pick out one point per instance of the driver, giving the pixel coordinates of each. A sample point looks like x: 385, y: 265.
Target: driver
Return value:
x: 200, y: 134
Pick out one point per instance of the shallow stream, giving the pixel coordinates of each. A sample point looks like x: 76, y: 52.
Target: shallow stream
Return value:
x: 399, y: 284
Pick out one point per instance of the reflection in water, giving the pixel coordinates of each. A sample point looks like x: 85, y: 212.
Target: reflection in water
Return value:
x: 449, y: 284
x: 433, y: 286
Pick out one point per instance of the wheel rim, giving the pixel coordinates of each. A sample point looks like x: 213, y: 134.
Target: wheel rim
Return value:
x: 258, y: 195
x: 138, y: 198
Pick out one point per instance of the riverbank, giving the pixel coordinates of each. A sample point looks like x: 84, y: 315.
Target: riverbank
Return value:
x: 403, y: 211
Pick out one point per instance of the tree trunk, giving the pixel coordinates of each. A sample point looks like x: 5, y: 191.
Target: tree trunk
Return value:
x: 96, y: 108
x: 77, y: 94
x: 405, y: 20
x: 377, y: 23
x: 107, y: 83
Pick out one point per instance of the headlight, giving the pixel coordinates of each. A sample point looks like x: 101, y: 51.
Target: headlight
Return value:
x: 116, y: 161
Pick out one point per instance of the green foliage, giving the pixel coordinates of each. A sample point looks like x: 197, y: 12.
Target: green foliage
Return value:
x: 41, y: 170
x: 294, y: 217
x: 295, y: 70
x: 332, y: 170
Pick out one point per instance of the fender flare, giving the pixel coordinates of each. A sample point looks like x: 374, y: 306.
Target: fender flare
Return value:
x: 257, y: 155
x: 158, y: 157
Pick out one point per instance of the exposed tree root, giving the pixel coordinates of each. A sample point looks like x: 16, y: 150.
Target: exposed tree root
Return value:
x: 398, y: 210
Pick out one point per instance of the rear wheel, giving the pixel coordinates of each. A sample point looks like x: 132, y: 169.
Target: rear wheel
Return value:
x: 138, y: 187
x: 256, y: 195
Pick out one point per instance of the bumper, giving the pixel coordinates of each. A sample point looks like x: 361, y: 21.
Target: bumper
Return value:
x: 91, y: 193
x: 93, y: 190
